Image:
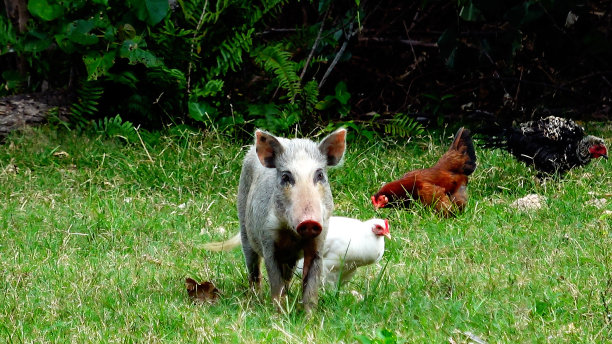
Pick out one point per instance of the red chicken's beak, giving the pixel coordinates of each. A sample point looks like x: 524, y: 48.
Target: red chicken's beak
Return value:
x: 380, y: 202
x: 374, y: 202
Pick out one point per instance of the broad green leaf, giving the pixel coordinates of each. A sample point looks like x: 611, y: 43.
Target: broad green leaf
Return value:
x: 109, y: 34
x: 431, y: 96
x: 139, y: 8
x: 131, y: 49
x: 44, y: 10
x: 12, y: 79
x: 326, y: 103
x: 450, y: 61
x: 145, y: 57
x: 202, y: 111
x: 126, y: 31
x: 447, y: 42
x: 211, y: 88
x: 79, y: 32
x: 64, y: 43
x: 98, y: 65
x: 195, y: 112
x: 128, y: 46
x: 470, y: 13
x: 157, y: 10
x: 525, y: 12
x: 342, y: 93
x: 12, y: 74
x: 36, y: 41
x: 533, y: 13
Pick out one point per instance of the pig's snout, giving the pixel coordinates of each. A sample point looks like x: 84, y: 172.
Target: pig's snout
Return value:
x: 309, y: 229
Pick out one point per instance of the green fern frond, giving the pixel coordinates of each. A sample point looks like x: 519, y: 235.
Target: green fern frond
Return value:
x: 86, y: 104
x: 402, y: 125
x: 229, y: 53
x: 310, y: 94
x: 275, y: 60
x: 116, y: 127
x: 313, y: 61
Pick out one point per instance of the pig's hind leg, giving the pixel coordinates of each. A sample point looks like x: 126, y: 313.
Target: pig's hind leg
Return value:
x: 253, y: 263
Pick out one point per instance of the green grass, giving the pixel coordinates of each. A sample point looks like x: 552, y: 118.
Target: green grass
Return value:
x: 95, y: 247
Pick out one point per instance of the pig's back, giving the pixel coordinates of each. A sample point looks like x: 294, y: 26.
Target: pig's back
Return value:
x: 255, y: 198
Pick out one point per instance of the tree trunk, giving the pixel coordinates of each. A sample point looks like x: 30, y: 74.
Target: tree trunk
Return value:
x: 17, y: 11
x: 31, y: 109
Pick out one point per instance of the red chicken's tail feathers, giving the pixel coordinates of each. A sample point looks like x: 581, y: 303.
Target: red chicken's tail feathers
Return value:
x: 463, y: 144
x: 460, y: 157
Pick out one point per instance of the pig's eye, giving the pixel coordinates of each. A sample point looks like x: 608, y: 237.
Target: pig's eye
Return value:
x: 287, y: 178
x: 319, y: 176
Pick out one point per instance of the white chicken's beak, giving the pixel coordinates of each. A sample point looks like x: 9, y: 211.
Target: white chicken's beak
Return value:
x: 387, y: 234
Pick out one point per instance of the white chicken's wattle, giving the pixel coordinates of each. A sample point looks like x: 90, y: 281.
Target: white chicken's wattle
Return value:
x: 351, y: 243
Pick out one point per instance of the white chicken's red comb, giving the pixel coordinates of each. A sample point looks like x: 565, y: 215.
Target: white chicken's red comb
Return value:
x: 386, y: 224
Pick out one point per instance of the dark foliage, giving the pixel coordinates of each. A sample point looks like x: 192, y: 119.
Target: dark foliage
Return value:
x: 502, y: 58
x: 371, y: 65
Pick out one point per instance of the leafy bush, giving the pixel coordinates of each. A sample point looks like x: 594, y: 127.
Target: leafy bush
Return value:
x: 153, y: 60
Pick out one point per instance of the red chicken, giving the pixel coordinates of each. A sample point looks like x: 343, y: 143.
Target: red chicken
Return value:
x: 441, y: 186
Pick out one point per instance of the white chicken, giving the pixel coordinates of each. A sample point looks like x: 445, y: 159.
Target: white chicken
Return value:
x: 350, y: 243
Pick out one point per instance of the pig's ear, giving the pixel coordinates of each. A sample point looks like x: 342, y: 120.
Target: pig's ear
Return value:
x: 267, y: 147
x: 333, y: 146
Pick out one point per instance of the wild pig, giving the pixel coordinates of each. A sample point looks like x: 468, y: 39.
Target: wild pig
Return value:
x: 284, y: 205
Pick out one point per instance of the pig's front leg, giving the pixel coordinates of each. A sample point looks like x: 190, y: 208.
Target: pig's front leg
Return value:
x: 311, y: 276
x: 278, y: 285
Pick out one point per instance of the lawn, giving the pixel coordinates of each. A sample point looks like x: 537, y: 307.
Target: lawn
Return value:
x: 98, y: 235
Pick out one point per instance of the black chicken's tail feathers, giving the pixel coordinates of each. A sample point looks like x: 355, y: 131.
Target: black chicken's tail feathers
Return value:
x: 463, y: 139
x: 493, y: 135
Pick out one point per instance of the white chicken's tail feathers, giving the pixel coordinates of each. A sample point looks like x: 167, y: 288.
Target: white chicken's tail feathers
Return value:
x: 227, y: 245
